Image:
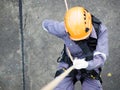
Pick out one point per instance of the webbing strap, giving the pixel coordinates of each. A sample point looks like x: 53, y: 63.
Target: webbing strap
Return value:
x: 86, y: 50
x: 96, y: 23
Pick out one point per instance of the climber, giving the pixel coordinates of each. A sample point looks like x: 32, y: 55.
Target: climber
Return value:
x: 87, y: 40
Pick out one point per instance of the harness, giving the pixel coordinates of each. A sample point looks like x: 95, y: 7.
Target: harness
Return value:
x: 88, y: 46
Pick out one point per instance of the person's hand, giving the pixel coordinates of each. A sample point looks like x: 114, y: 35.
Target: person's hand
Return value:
x: 80, y: 63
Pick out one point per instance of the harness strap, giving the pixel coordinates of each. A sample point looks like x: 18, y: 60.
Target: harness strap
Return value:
x: 96, y: 23
x: 86, y: 50
x: 90, y: 74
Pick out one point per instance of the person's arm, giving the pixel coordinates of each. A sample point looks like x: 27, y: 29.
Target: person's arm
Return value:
x: 54, y: 27
x: 101, y: 52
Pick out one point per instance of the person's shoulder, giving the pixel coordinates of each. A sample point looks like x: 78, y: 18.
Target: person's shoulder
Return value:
x: 103, y: 27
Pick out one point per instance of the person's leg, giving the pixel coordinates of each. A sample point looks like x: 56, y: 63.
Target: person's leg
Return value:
x: 67, y: 82
x: 91, y: 84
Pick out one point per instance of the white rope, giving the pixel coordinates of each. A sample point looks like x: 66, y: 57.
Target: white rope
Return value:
x: 57, y: 80
x: 66, y: 4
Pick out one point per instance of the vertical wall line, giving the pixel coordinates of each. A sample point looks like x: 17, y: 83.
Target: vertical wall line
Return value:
x: 22, y: 43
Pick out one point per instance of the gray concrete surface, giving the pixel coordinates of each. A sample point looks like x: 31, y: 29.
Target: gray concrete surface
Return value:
x: 42, y: 49
x: 10, y: 58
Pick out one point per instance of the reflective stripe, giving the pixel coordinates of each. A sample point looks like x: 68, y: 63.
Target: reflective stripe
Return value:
x: 43, y: 26
x: 97, y: 53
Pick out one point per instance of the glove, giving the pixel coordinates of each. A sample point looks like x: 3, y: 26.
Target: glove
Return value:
x: 80, y: 63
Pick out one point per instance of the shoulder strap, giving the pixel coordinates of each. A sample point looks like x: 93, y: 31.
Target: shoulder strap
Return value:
x: 96, y: 23
x: 85, y: 48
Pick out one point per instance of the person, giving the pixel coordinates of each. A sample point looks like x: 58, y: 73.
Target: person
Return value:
x: 87, y: 40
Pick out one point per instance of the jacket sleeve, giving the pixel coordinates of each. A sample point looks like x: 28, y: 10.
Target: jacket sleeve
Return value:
x: 54, y: 27
x: 101, y: 52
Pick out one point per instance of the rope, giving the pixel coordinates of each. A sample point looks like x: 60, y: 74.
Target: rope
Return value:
x: 22, y: 42
x: 65, y: 1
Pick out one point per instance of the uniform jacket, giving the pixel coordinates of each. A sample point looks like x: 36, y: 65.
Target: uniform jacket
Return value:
x: 100, y: 54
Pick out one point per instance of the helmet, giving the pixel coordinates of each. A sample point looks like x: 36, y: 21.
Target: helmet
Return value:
x: 78, y: 23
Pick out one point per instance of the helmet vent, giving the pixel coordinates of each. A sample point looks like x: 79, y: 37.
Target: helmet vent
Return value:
x: 87, y: 29
x: 68, y: 33
x: 84, y: 17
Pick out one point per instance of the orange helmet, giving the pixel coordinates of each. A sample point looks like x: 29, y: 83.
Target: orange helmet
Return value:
x: 78, y: 23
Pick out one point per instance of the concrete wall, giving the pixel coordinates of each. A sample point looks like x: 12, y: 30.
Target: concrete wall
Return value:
x: 42, y: 49
x: 10, y: 58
